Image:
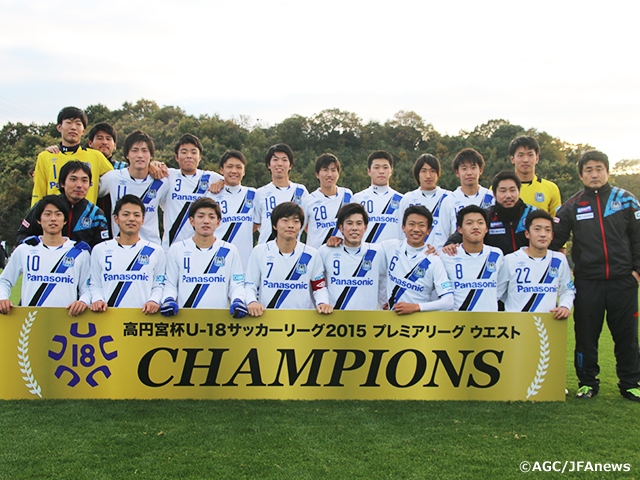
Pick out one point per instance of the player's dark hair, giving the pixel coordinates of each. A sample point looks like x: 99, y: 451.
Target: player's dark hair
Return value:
x: 55, y: 200
x: 379, y: 155
x: 505, y: 175
x: 286, y: 209
x: 70, y: 113
x: 131, y: 199
x: 471, y: 209
x: 281, y: 148
x: 188, y: 139
x: 352, y: 209
x: 70, y: 167
x: 325, y: 160
x: 138, y: 136
x: 538, y: 213
x: 103, y: 127
x: 204, y: 202
x: 593, y: 155
x: 425, y: 159
x: 232, y: 154
x: 467, y: 155
x: 418, y: 210
x: 529, y: 143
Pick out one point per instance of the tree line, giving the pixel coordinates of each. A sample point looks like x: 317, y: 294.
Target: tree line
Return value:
x: 406, y: 136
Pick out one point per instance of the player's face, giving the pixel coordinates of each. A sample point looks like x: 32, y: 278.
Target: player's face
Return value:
x: 280, y: 166
x: 232, y: 171
x: 473, y: 228
x: 288, y: 228
x: 328, y: 176
x: 428, y: 177
x: 139, y: 156
x: 103, y: 142
x: 416, y: 228
x: 129, y: 219
x: 469, y: 174
x: 380, y: 172
x: 188, y: 158
x: 540, y: 233
x: 507, y: 193
x: 353, y: 229
x: 76, y: 186
x: 52, y: 220
x: 594, y: 174
x: 205, y: 221
x: 71, y: 130
x: 524, y: 160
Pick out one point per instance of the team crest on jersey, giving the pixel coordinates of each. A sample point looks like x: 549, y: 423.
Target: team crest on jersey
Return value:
x: 616, y: 206
x: 249, y: 203
x: 152, y: 193
x: 85, y: 222
x: 420, y: 272
x: 553, y: 272
x: 301, y: 269
x: 68, y: 262
x: 366, y: 265
x: 218, y: 261
x: 143, y: 260
x: 539, y: 197
x: 204, y: 184
x: 395, y: 204
x: 297, y: 199
x: 491, y: 266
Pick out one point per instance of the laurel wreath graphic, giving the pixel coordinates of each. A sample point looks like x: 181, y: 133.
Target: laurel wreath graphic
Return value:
x: 23, y: 356
x: 543, y: 363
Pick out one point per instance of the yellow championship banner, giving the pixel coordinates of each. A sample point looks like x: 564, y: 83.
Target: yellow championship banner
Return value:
x: 207, y: 354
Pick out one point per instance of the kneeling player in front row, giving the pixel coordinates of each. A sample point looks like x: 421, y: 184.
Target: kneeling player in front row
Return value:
x: 283, y: 273
x: 203, y: 271
x: 353, y: 269
x: 55, y: 269
x: 474, y: 267
x: 413, y: 277
x: 533, y: 277
x: 127, y: 272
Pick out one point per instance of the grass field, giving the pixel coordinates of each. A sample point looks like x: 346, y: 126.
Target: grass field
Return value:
x: 320, y: 439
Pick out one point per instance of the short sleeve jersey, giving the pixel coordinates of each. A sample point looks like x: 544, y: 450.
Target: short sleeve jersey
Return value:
x: 432, y: 200
x: 321, y: 215
x: 267, y: 197
x: 383, y: 207
x: 209, y: 278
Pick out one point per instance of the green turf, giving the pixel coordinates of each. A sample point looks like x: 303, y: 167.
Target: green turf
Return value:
x: 319, y: 439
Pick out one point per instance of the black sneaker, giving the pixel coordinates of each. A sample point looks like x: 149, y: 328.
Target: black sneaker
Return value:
x: 586, y: 392
x: 632, y: 394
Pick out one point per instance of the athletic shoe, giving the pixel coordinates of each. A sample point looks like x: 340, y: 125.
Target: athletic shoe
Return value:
x: 586, y: 392
x: 632, y: 394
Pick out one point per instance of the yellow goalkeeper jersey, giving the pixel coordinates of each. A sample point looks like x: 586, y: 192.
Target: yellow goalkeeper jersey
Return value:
x: 541, y: 193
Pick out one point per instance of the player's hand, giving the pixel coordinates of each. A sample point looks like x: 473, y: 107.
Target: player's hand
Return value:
x: 255, y: 309
x: 5, y: 306
x: 404, y: 308
x: 636, y: 275
x: 76, y: 308
x: 98, y: 306
x: 169, y: 307
x: 324, y: 308
x: 216, y: 187
x: 450, y: 249
x: 334, y: 242
x: 431, y: 250
x: 150, y: 308
x: 238, y: 309
x: 158, y: 170
x: 560, y: 313
x: 53, y: 149
x: 385, y: 306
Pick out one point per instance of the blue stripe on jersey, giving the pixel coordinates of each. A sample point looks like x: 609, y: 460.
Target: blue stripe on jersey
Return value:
x: 247, y: 203
x: 554, y: 264
x: 521, y: 224
x: 345, y: 199
x: 487, y: 201
x: 203, y: 184
x: 137, y: 265
x: 118, y: 165
x: 618, y: 200
x: 486, y: 273
x: 436, y: 209
x: 218, y: 258
x: 423, y: 265
x: 474, y: 300
x: 299, y: 269
x: 368, y: 257
x: 152, y: 191
x: 234, y: 228
x: 393, y: 204
x: 297, y: 195
x: 61, y: 268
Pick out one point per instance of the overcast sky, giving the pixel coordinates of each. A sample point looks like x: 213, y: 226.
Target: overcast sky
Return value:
x: 568, y: 68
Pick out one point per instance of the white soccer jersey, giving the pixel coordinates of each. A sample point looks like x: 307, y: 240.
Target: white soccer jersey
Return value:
x: 412, y: 275
x: 285, y: 281
x: 182, y: 191
x: 321, y: 215
x: 430, y: 199
x: 127, y: 276
x: 51, y: 276
x: 475, y: 278
x: 204, y: 278
x: 356, y: 276
x: 451, y: 205
x: 238, y: 216
x: 534, y: 284
x: 267, y: 197
x: 118, y: 183
x: 383, y: 206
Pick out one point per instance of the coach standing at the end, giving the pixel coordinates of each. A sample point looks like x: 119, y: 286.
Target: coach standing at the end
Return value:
x: 605, y: 221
